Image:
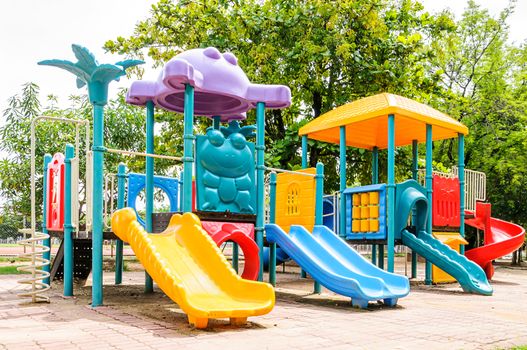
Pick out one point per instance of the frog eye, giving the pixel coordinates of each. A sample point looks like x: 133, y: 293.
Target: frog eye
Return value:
x: 237, y: 140
x: 216, y: 138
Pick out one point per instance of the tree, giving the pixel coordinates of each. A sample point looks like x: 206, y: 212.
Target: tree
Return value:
x: 483, y: 79
x: 327, y: 52
x: 124, y: 129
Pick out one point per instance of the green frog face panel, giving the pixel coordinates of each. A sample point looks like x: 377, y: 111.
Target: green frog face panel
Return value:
x: 226, y: 157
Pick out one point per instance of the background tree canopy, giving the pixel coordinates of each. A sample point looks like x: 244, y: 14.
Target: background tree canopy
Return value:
x: 329, y: 53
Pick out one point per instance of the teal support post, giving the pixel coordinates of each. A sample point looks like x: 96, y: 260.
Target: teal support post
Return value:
x: 319, y: 205
x: 374, y: 180
x: 235, y: 254
x: 149, y: 179
x: 304, y: 151
x: 47, y: 242
x: 216, y: 122
x: 188, y: 147
x: 272, y: 220
x: 97, y: 196
x: 68, y: 226
x: 121, y: 190
x: 380, y: 262
x: 180, y: 192
x: 260, y: 174
x: 428, y: 265
x: 461, y: 176
x: 415, y: 174
x: 342, y: 171
x: 304, y: 166
x: 391, y: 192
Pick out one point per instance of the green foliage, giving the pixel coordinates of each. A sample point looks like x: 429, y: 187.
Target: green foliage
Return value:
x: 327, y: 52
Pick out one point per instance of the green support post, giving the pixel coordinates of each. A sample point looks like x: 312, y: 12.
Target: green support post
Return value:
x: 68, y: 226
x: 260, y: 177
x: 149, y: 182
x: 216, y: 122
x: 188, y: 147
x: 304, y: 166
x: 121, y: 189
x: 342, y: 171
x: 428, y: 265
x: 47, y: 242
x: 391, y: 192
x: 272, y: 220
x: 374, y: 180
x: 415, y: 174
x: 319, y: 206
x: 461, y: 176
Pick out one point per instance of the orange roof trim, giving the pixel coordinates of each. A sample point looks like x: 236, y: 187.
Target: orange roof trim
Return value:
x: 366, y: 122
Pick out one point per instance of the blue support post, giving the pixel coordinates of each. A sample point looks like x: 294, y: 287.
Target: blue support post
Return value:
x: 68, y: 226
x: 260, y: 174
x: 461, y: 176
x: 47, y: 242
x: 121, y: 189
x: 97, y: 224
x: 304, y: 166
x: 149, y: 179
x: 272, y: 220
x: 391, y: 192
x: 374, y: 180
x: 428, y: 265
x: 342, y: 171
x: 415, y: 170
x: 188, y: 148
x: 319, y: 205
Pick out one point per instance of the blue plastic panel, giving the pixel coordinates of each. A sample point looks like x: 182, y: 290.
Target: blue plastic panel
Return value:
x: 225, y: 173
x: 136, y: 183
x: 348, y: 195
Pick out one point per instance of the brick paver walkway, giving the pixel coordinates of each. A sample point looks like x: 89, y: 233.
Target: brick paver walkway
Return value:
x: 429, y: 318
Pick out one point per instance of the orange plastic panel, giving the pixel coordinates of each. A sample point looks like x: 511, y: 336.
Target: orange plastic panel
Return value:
x: 295, y: 200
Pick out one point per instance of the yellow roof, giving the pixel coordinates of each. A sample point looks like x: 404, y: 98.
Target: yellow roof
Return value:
x: 366, y: 122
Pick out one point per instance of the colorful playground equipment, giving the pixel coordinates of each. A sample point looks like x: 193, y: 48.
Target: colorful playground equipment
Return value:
x: 386, y: 121
x: 219, y: 196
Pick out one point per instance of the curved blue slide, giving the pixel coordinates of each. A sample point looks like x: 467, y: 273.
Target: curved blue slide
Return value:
x: 338, y: 267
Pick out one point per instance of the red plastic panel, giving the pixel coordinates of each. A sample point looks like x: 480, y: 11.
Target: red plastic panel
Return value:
x: 55, y: 193
x: 243, y: 235
x: 445, y: 201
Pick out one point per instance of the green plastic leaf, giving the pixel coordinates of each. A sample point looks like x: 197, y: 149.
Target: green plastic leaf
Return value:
x: 129, y: 63
x: 107, y: 73
x: 69, y: 66
x: 86, y: 59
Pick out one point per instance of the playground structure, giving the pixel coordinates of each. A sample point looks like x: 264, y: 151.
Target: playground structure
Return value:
x: 228, y: 196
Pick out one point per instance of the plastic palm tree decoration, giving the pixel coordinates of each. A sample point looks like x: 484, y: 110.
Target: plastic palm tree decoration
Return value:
x: 89, y: 72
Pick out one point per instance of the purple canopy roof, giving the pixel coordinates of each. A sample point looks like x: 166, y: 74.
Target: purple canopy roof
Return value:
x: 221, y: 86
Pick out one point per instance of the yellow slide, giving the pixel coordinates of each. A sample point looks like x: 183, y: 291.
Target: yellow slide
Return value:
x: 188, y: 266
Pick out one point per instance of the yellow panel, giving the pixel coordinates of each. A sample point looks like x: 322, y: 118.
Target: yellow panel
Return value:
x: 355, y: 225
x: 364, y: 212
x: 374, y: 211
x: 189, y: 267
x: 366, y: 122
x: 454, y: 241
x: 374, y: 225
x: 356, y: 213
x: 374, y: 197
x: 356, y: 199
x: 298, y: 209
x: 365, y: 225
x: 364, y: 198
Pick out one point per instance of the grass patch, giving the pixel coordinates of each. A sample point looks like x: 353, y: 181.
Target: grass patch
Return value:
x: 10, y: 270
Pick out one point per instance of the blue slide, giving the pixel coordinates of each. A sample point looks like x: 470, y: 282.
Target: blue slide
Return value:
x: 334, y: 264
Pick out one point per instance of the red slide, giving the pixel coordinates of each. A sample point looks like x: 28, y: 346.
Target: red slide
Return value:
x: 501, y: 237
